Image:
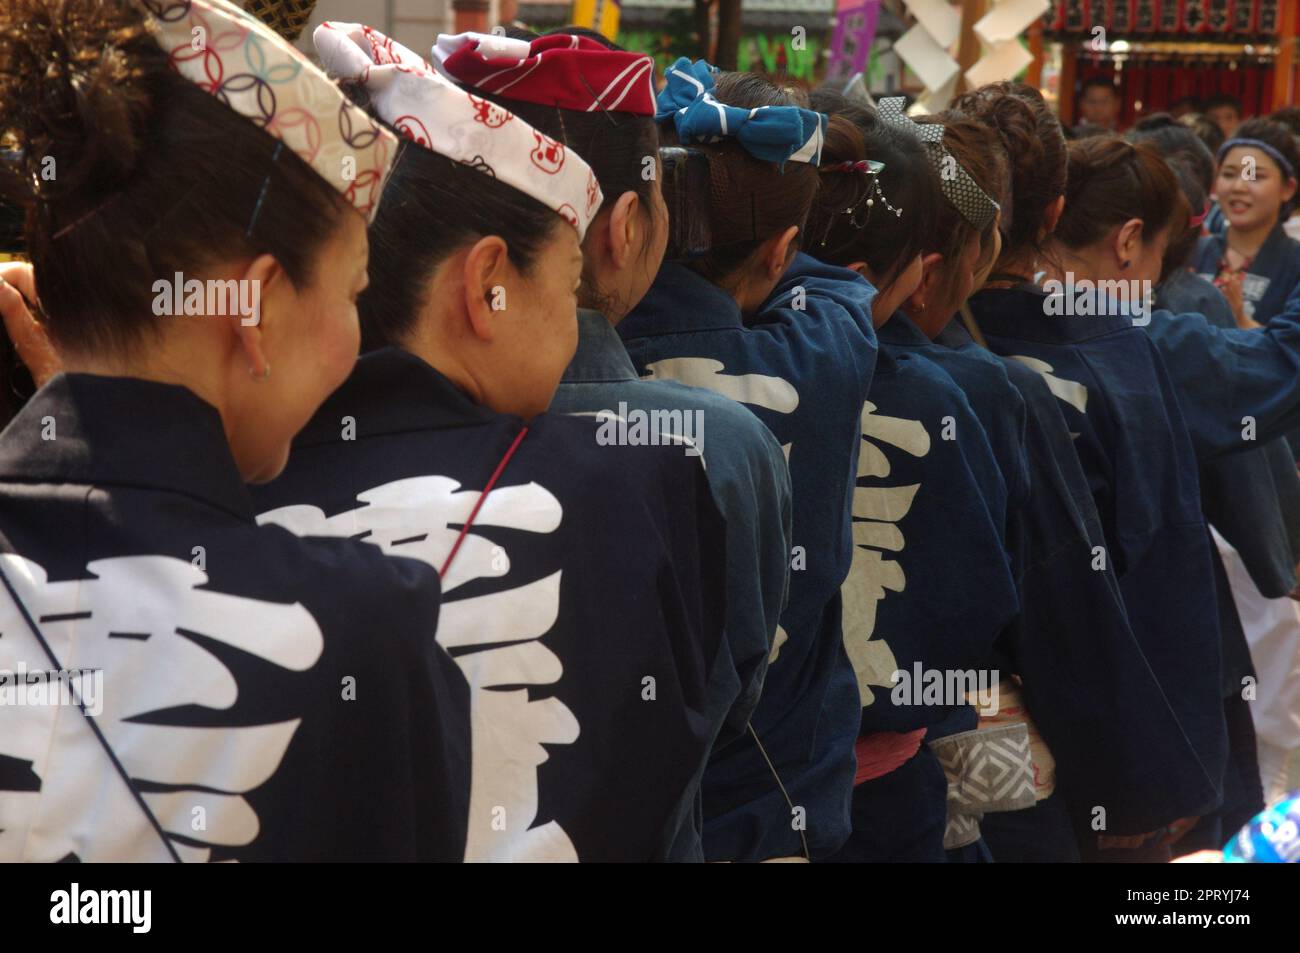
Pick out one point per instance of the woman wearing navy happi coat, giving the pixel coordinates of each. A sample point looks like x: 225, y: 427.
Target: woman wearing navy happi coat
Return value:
x: 1133, y: 442
x: 933, y: 489
x: 1249, y: 497
x: 1073, y: 642
x: 582, y: 579
x: 608, y: 118
x: 1051, y: 654
x: 792, y: 340
x: 235, y: 693
x: 1253, y: 259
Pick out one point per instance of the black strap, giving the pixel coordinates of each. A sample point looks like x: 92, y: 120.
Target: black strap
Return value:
x: 108, y: 748
x: 784, y: 793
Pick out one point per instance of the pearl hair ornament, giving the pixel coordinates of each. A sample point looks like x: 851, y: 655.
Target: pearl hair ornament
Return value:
x: 871, y: 168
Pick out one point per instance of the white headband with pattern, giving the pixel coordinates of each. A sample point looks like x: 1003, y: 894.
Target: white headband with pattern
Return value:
x: 435, y: 113
x: 253, y: 70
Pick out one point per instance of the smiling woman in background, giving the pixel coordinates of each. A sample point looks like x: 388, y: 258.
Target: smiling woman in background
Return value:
x: 1256, y: 189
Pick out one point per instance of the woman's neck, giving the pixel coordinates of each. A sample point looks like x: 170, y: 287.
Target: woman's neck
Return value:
x: 1018, y: 265
x: 1248, y: 241
x: 446, y: 363
x: 931, y: 321
x: 185, y: 360
x: 1065, y: 261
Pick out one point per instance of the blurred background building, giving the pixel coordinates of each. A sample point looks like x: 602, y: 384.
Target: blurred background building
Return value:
x: 1160, y: 54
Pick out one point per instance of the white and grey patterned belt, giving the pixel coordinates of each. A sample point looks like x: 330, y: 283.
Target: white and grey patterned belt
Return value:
x: 988, y: 770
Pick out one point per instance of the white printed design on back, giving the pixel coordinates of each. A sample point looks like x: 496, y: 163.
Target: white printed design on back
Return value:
x: 877, y: 511
x: 127, y: 621
x: 758, y: 390
x: 414, y: 518
x: 1072, y: 392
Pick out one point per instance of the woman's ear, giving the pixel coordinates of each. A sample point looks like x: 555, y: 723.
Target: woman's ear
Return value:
x: 265, y: 289
x: 624, y: 232
x: 1288, y: 190
x: 778, y: 252
x: 1052, y: 217
x: 931, y: 266
x: 17, y: 286
x: 484, y: 273
x: 1128, y: 240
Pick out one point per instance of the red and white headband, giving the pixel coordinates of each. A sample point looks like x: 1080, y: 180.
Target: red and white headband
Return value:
x: 571, y: 72
x: 443, y: 118
x: 250, y: 68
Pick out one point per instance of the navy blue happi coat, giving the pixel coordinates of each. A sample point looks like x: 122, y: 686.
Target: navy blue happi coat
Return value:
x: 934, y: 586
x: 1238, y: 388
x: 258, y: 697
x: 1272, y: 276
x: 1141, y: 467
x: 582, y: 598
x: 930, y: 589
x: 751, y: 486
x: 1084, y: 677
x: 802, y: 363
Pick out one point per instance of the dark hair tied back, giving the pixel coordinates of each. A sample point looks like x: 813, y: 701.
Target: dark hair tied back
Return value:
x: 1034, y: 144
x: 130, y: 173
x: 1112, y: 181
x: 752, y: 200
x: 886, y: 242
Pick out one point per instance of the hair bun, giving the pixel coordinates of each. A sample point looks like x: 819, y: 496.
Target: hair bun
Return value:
x: 1031, y: 137
x: 1001, y: 106
x: 1094, y: 157
x: 73, y: 97
x: 1018, y: 128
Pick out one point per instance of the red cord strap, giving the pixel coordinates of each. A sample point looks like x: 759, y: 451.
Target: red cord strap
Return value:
x: 492, y: 481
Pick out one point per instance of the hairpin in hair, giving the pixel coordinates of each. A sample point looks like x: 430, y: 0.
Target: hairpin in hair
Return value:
x: 871, y: 168
x: 261, y: 196
x: 72, y: 226
x: 1196, y: 221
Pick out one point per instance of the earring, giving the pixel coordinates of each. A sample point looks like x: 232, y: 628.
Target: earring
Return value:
x: 265, y: 375
x: 1127, y: 262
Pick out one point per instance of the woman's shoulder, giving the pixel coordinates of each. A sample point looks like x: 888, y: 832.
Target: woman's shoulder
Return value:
x: 611, y: 452
x: 349, y: 586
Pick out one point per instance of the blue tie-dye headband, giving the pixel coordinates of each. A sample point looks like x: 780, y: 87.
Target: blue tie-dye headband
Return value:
x: 777, y: 134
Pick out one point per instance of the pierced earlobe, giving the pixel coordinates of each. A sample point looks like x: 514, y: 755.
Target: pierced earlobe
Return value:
x: 265, y: 375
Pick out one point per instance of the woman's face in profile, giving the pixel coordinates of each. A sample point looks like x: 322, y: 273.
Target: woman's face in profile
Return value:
x: 310, y: 336
x: 540, y: 325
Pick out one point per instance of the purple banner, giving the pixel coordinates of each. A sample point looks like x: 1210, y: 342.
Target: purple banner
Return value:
x: 855, y: 32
